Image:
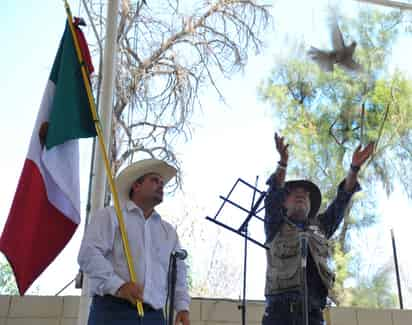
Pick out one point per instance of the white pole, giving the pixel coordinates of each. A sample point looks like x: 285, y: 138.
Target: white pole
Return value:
x: 387, y: 3
x: 105, y: 113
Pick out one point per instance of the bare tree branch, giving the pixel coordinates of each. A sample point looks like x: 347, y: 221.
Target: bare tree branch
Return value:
x: 168, y: 53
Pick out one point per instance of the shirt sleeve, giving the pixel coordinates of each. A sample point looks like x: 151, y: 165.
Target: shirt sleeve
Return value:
x: 333, y: 215
x: 182, y: 297
x: 274, y: 210
x: 97, y: 243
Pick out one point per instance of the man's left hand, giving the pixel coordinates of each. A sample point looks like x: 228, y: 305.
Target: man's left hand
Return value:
x: 360, y: 156
x: 182, y: 317
x: 358, y: 159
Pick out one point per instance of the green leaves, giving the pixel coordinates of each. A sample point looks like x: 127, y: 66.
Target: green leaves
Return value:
x: 7, y: 282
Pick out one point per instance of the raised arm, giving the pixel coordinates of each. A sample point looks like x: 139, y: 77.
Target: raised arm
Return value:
x: 282, y: 149
x: 335, y: 212
x: 358, y: 159
x: 276, y: 193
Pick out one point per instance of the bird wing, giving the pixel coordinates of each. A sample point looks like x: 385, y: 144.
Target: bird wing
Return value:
x: 322, y: 58
x: 337, y: 38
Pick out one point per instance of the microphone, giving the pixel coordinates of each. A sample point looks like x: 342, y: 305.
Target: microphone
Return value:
x: 179, y: 253
x: 303, y: 242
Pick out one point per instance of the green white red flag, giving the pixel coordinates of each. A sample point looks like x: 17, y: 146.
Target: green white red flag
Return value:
x: 46, y: 207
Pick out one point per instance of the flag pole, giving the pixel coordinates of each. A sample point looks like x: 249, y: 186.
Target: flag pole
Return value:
x: 102, y: 145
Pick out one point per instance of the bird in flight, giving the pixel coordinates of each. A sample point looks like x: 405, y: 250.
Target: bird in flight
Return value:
x: 341, y: 54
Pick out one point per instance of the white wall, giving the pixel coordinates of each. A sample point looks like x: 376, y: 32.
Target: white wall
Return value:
x: 44, y: 310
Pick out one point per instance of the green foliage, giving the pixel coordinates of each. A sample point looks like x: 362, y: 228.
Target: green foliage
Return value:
x: 325, y: 116
x: 7, y: 282
x: 373, y: 291
x: 341, y: 263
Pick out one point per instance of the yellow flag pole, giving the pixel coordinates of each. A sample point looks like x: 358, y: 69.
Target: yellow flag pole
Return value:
x: 104, y: 154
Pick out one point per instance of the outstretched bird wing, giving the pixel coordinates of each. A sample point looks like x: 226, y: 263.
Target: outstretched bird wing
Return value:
x: 322, y: 58
x: 337, y: 38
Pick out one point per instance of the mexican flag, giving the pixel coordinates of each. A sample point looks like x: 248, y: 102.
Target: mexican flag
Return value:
x: 46, y: 207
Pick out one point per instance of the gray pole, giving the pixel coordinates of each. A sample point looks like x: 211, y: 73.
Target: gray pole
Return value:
x: 398, y: 278
x: 105, y: 112
x: 392, y: 4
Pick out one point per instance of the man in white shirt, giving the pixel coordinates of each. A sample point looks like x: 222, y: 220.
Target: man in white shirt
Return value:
x: 151, y: 242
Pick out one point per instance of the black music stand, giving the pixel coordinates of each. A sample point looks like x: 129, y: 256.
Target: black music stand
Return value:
x: 243, y: 229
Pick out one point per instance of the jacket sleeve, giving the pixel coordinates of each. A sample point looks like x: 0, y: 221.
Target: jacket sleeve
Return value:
x: 97, y: 242
x: 274, y: 210
x: 333, y: 215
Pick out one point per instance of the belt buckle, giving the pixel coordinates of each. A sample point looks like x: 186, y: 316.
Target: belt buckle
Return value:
x: 295, y: 306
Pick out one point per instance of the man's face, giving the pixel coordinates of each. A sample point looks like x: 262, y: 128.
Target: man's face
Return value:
x: 150, y: 190
x: 297, y: 203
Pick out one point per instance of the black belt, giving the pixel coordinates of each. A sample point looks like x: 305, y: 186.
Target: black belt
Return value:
x: 292, y: 306
x: 147, y: 308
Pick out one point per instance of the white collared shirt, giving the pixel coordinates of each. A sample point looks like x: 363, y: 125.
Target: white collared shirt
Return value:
x: 151, y: 242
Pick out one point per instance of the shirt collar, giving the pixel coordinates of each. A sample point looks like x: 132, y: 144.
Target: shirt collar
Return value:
x: 131, y: 206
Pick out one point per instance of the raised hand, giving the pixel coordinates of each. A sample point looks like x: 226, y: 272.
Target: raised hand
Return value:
x: 282, y: 149
x: 361, y: 155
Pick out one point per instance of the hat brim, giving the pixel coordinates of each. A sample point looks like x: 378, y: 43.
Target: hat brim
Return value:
x: 138, y: 169
x: 314, y: 194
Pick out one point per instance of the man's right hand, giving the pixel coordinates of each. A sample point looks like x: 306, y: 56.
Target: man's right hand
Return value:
x: 131, y: 291
x: 282, y: 149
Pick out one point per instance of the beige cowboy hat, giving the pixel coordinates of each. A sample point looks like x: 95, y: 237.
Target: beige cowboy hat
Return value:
x: 138, y: 169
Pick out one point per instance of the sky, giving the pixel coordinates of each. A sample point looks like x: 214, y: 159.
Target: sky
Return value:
x: 229, y: 141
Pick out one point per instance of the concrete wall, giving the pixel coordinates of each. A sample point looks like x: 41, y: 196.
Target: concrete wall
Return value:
x: 43, y: 310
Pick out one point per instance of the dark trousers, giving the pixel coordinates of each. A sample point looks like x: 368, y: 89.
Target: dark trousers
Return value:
x: 109, y: 310
x: 284, y: 313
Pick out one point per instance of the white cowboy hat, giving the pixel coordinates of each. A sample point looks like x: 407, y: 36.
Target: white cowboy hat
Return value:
x: 138, y: 169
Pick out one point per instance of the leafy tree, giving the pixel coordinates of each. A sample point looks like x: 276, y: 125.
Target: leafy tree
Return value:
x: 7, y: 282
x: 374, y: 291
x: 325, y: 116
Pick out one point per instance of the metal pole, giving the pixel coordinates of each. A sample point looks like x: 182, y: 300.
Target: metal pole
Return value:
x: 172, y: 284
x: 398, y: 278
x: 303, y: 241
x: 105, y: 113
x: 243, y: 305
x: 392, y: 4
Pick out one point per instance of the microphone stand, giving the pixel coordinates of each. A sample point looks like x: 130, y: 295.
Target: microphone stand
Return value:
x: 303, y: 242
x: 242, y: 307
x: 173, y: 275
x: 303, y: 245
